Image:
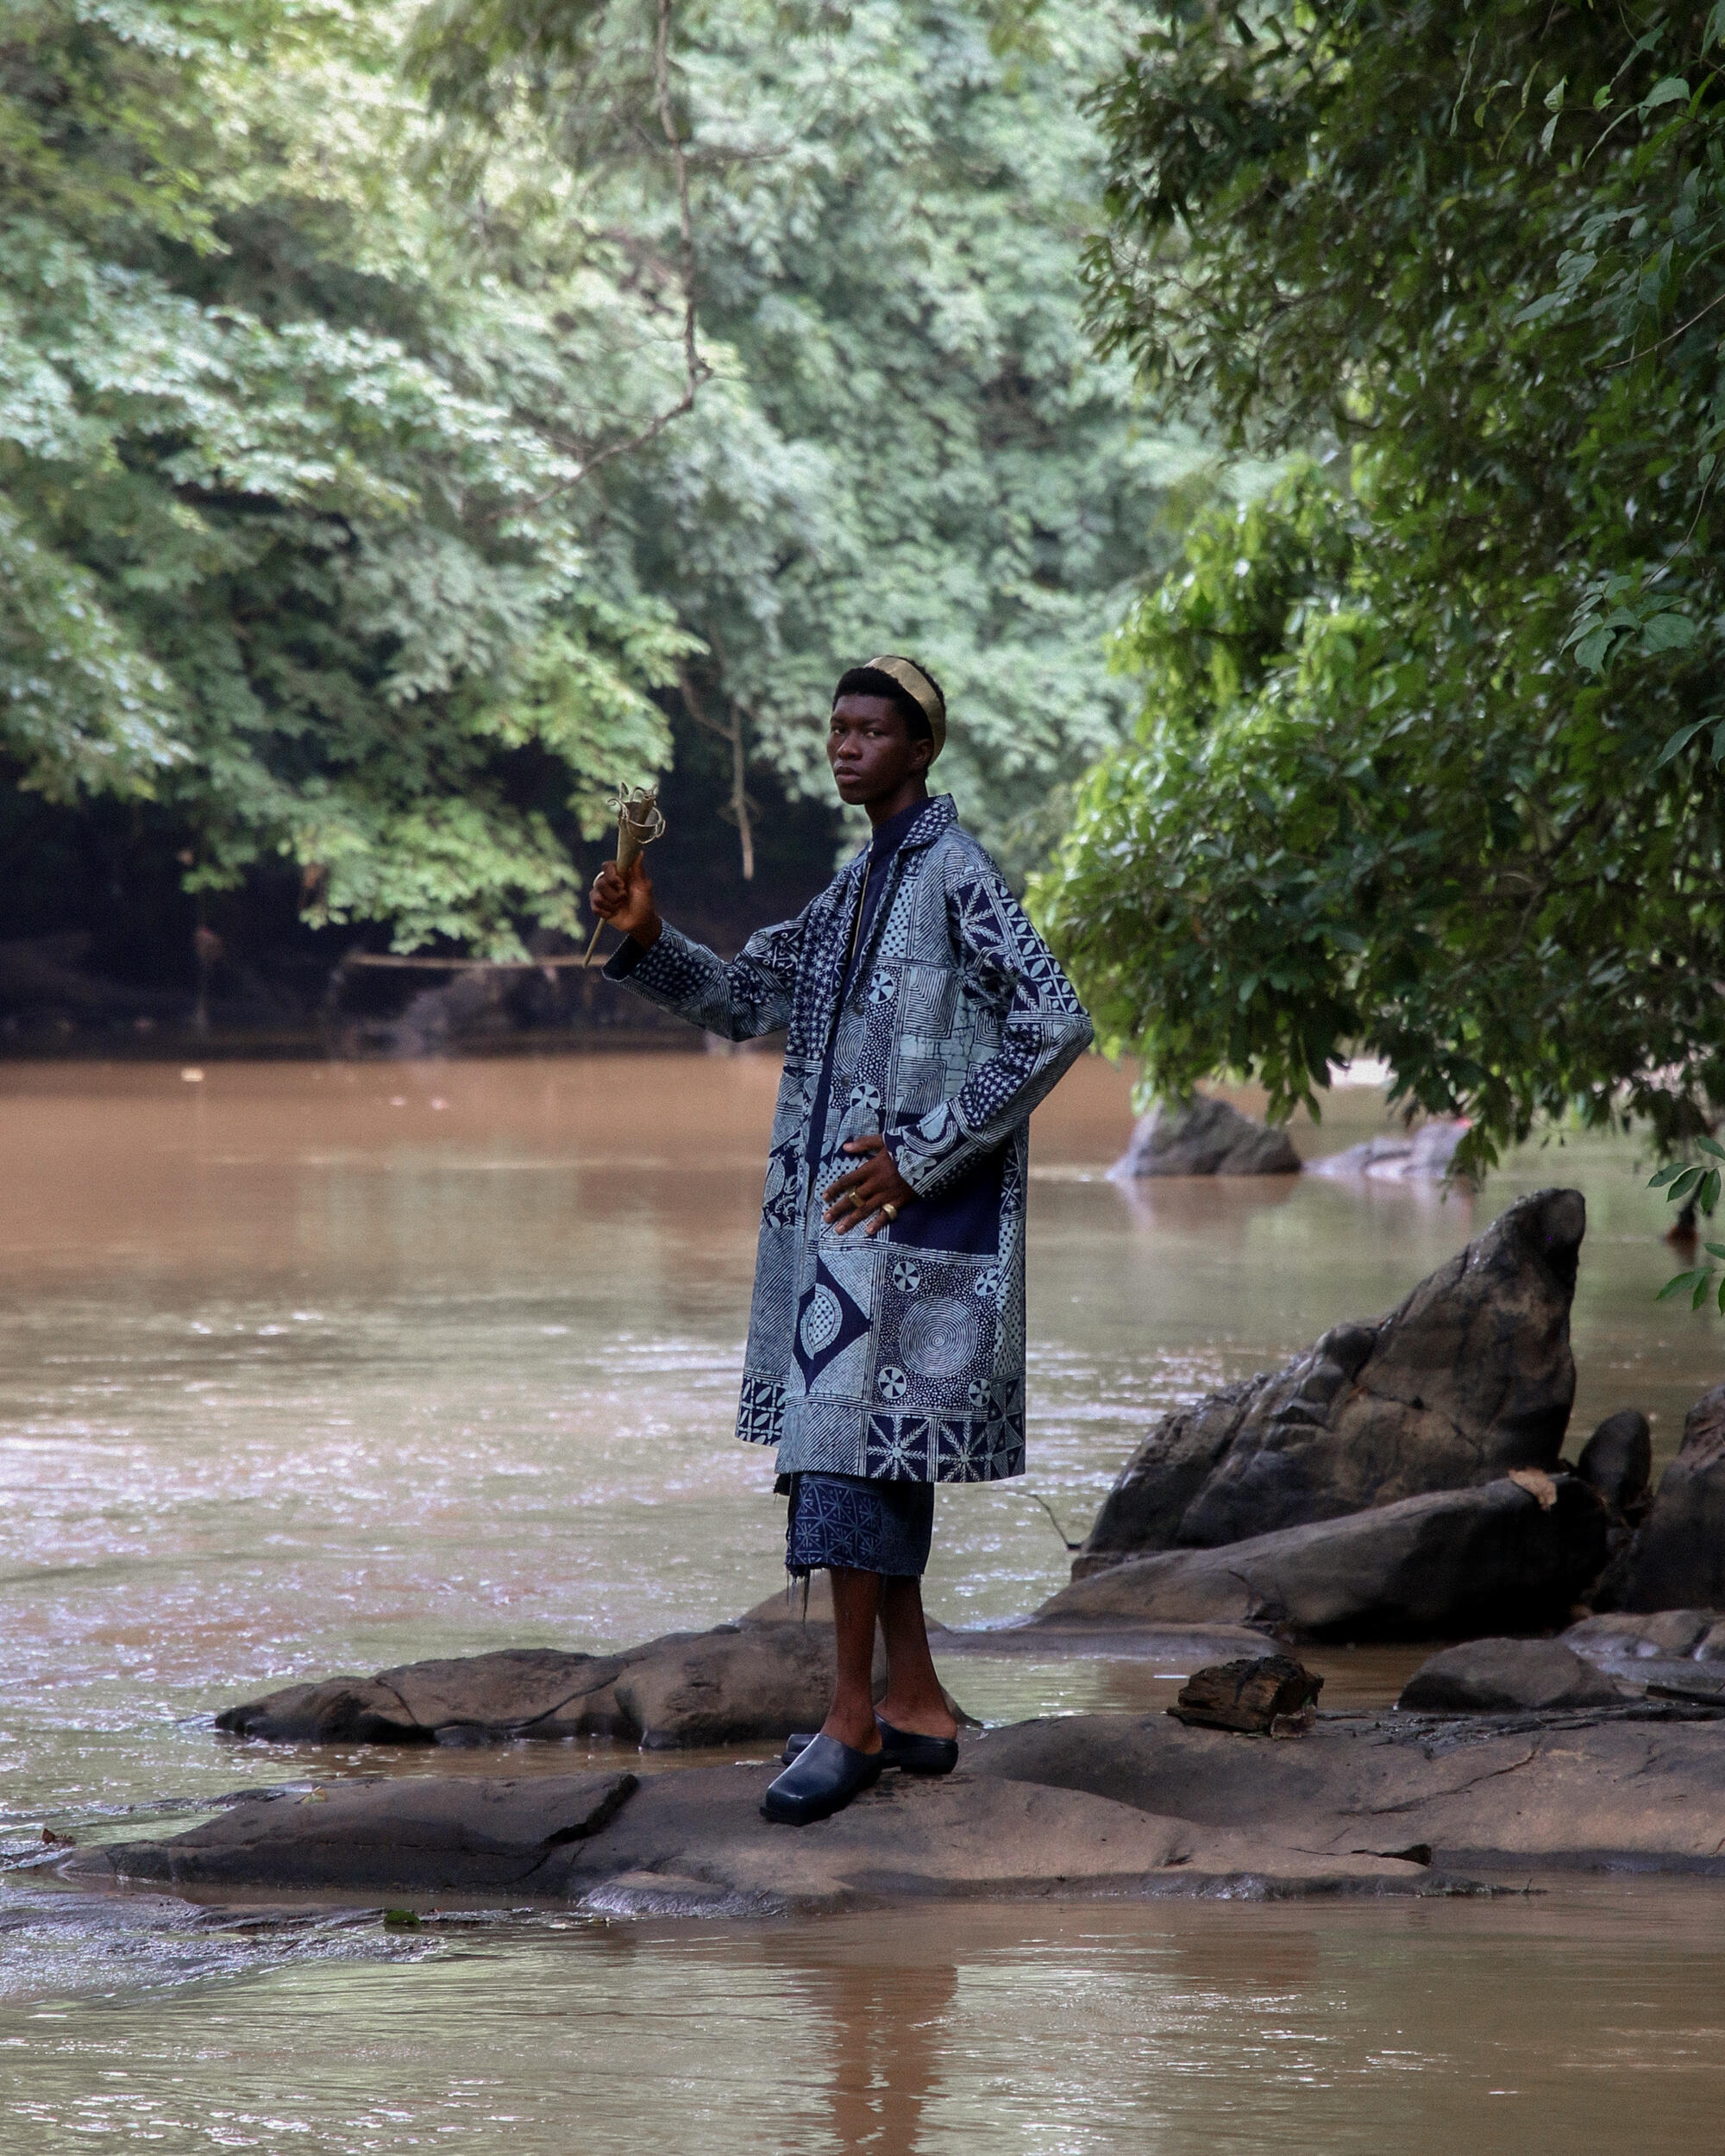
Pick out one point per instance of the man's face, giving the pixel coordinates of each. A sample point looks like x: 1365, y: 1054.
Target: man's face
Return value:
x: 870, y: 749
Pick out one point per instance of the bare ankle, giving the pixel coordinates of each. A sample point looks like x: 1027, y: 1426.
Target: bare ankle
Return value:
x: 918, y: 1717
x: 853, y: 1726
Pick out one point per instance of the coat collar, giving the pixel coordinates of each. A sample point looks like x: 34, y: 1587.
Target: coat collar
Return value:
x: 938, y: 813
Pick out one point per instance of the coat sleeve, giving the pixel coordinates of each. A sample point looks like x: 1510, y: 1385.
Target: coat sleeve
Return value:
x: 739, y: 1001
x: 1043, y: 1029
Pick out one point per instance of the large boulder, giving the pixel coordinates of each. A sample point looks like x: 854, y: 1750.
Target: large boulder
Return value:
x: 1510, y: 1554
x: 730, y: 1685
x: 1202, y: 1137
x: 1470, y: 1377
x: 1678, y: 1560
x: 1498, y: 1676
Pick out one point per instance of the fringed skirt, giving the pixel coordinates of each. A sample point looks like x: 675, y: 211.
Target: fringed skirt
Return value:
x: 841, y: 1519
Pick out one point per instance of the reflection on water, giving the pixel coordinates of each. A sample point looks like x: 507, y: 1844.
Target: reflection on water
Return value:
x: 316, y: 1367
x: 1591, y: 2018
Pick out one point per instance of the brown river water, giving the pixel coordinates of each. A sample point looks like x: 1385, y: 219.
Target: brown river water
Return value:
x: 319, y: 1367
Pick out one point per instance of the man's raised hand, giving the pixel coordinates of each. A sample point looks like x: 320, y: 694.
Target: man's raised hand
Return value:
x: 626, y: 901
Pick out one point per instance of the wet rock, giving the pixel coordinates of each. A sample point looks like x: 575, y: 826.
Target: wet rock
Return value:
x: 1263, y: 1695
x: 1468, y: 1378
x: 418, y: 1831
x: 1495, y: 1676
x: 1453, y: 1563
x: 1617, y: 1460
x: 1204, y: 1136
x: 733, y: 1684
x: 1593, y: 1787
x: 1678, y: 1558
x: 1424, y: 1156
x: 1621, y: 1635
x: 692, y: 1842
x: 1669, y: 1650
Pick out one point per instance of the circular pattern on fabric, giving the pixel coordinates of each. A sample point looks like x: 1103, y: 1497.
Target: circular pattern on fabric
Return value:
x: 988, y: 1282
x: 937, y: 1338
x: 821, y: 1321
x: 906, y: 1277
x: 893, y: 1382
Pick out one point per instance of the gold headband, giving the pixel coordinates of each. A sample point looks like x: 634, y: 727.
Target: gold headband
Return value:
x: 922, y: 691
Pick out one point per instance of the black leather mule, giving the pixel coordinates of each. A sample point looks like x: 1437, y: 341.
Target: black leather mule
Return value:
x: 822, y: 1779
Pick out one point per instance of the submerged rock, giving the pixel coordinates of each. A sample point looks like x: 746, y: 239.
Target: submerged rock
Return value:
x: 1424, y: 1156
x: 1470, y: 1377
x: 1445, y: 1564
x: 1204, y: 1136
x: 1495, y: 1676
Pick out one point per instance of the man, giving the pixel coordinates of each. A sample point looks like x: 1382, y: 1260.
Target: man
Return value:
x: 924, y: 1018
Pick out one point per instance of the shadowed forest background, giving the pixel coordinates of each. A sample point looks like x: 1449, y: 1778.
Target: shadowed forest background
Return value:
x: 1290, y: 436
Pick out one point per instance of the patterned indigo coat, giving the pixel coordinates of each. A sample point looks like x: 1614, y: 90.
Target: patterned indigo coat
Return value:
x: 892, y: 1357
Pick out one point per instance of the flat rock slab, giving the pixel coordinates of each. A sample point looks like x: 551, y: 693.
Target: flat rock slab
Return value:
x: 733, y: 1684
x: 694, y: 1842
x: 412, y: 1833
x: 1554, y: 1788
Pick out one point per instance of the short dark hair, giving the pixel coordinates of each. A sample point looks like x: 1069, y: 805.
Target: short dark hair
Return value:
x: 871, y: 681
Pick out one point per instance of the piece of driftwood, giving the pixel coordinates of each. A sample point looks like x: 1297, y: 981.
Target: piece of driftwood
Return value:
x: 1271, y: 1696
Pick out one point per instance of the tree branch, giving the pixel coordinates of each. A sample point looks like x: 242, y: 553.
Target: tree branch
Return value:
x: 696, y: 369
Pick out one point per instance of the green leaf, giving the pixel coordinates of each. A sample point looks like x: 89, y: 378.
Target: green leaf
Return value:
x: 1669, y: 90
x: 1710, y: 1146
x: 1664, y: 1175
x: 1668, y: 632
x: 1706, y: 1196
x: 1682, y: 1283
x: 1680, y: 740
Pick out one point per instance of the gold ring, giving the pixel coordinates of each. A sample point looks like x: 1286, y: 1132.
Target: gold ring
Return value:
x: 891, y: 1211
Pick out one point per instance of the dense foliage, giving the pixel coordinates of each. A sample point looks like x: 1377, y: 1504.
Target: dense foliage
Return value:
x: 371, y: 498
x: 910, y: 442
x: 1429, y: 759
x: 274, y: 440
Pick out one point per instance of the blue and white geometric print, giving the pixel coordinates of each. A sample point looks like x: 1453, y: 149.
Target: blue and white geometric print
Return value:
x: 900, y: 1362
x: 828, y: 1320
